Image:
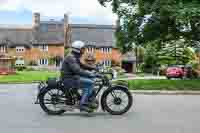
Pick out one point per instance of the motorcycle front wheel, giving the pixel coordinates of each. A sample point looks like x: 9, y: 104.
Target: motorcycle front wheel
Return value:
x: 50, y: 99
x: 117, y: 100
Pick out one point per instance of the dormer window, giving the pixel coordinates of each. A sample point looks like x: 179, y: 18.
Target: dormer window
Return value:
x: 2, y: 48
x: 20, y: 49
x: 90, y: 50
x: 43, y: 47
x: 106, y: 50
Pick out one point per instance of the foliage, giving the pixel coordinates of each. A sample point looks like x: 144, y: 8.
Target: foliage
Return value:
x: 33, y: 63
x: 150, y: 58
x: 164, y: 84
x: 161, y: 24
x: 30, y: 69
x: 141, y: 21
x: 176, y: 52
x: 139, y: 53
x: 20, y: 68
x: 52, y: 60
x: 67, y: 51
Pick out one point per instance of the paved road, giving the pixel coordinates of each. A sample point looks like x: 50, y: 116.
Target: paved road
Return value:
x: 152, y: 114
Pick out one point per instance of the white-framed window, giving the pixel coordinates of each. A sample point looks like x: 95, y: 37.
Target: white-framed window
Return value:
x: 3, y: 49
x: 43, y: 61
x: 107, y: 63
x: 20, y: 61
x: 106, y: 50
x: 110, y: 50
x: 90, y: 50
x: 20, y: 49
x: 43, y: 47
x: 102, y: 50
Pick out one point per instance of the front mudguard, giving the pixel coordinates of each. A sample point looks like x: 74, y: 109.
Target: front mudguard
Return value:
x: 110, y: 89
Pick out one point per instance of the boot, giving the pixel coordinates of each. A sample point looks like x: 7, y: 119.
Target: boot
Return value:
x: 86, y: 108
x: 93, y: 104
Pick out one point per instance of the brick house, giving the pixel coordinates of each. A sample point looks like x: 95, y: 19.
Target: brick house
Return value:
x: 99, y: 40
x: 35, y: 44
x: 44, y: 41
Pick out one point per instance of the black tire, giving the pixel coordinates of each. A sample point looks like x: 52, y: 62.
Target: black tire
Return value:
x: 108, y: 109
x: 44, y: 107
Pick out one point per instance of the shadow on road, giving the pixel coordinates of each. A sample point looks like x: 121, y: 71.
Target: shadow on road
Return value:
x: 95, y: 114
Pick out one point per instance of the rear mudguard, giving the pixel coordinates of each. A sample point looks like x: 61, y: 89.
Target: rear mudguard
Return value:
x: 110, y: 89
x: 40, y: 91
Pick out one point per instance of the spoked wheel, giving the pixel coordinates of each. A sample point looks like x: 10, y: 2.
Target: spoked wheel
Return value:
x: 51, y: 101
x: 117, y: 100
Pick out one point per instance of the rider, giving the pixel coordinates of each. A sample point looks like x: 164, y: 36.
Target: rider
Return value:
x: 74, y: 76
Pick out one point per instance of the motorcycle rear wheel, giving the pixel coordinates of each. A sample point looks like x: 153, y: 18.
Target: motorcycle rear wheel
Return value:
x: 55, y: 95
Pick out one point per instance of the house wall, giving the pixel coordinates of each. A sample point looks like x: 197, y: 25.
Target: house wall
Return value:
x: 114, y: 55
x: 34, y: 54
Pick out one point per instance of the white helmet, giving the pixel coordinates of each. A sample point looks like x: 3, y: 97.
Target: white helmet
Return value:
x: 77, y: 46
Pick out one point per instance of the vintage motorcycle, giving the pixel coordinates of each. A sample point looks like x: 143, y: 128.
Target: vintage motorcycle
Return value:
x: 55, y: 99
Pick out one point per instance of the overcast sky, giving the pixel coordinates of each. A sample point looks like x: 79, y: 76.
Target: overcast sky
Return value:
x: 80, y: 11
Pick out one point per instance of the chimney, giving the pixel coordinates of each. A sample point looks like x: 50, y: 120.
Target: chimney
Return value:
x: 66, y: 20
x: 36, y: 20
x: 36, y: 26
x: 66, y: 30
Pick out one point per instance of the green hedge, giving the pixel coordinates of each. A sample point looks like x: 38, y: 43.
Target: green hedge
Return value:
x: 164, y: 84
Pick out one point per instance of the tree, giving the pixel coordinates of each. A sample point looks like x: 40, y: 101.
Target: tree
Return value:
x: 150, y: 58
x: 190, y: 56
x: 139, y: 53
x: 161, y: 24
x: 67, y: 51
x: 176, y: 52
x: 169, y: 20
x: 172, y: 52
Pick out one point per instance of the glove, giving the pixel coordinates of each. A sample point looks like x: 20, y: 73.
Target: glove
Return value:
x: 99, y: 76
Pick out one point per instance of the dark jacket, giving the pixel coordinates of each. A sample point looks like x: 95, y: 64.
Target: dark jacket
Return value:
x: 71, y: 71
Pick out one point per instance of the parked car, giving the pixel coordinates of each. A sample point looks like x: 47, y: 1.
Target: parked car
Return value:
x: 175, y: 72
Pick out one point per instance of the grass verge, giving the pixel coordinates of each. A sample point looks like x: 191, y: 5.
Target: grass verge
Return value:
x: 27, y: 76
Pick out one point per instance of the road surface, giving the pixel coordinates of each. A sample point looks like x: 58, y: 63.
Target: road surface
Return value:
x: 150, y: 114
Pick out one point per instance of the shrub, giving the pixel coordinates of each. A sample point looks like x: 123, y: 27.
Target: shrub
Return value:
x: 33, y: 63
x: 20, y: 68
x: 30, y: 69
x: 67, y: 51
x: 52, y: 60
x: 119, y: 69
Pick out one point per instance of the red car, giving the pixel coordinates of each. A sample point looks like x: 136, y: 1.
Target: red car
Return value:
x: 175, y: 72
